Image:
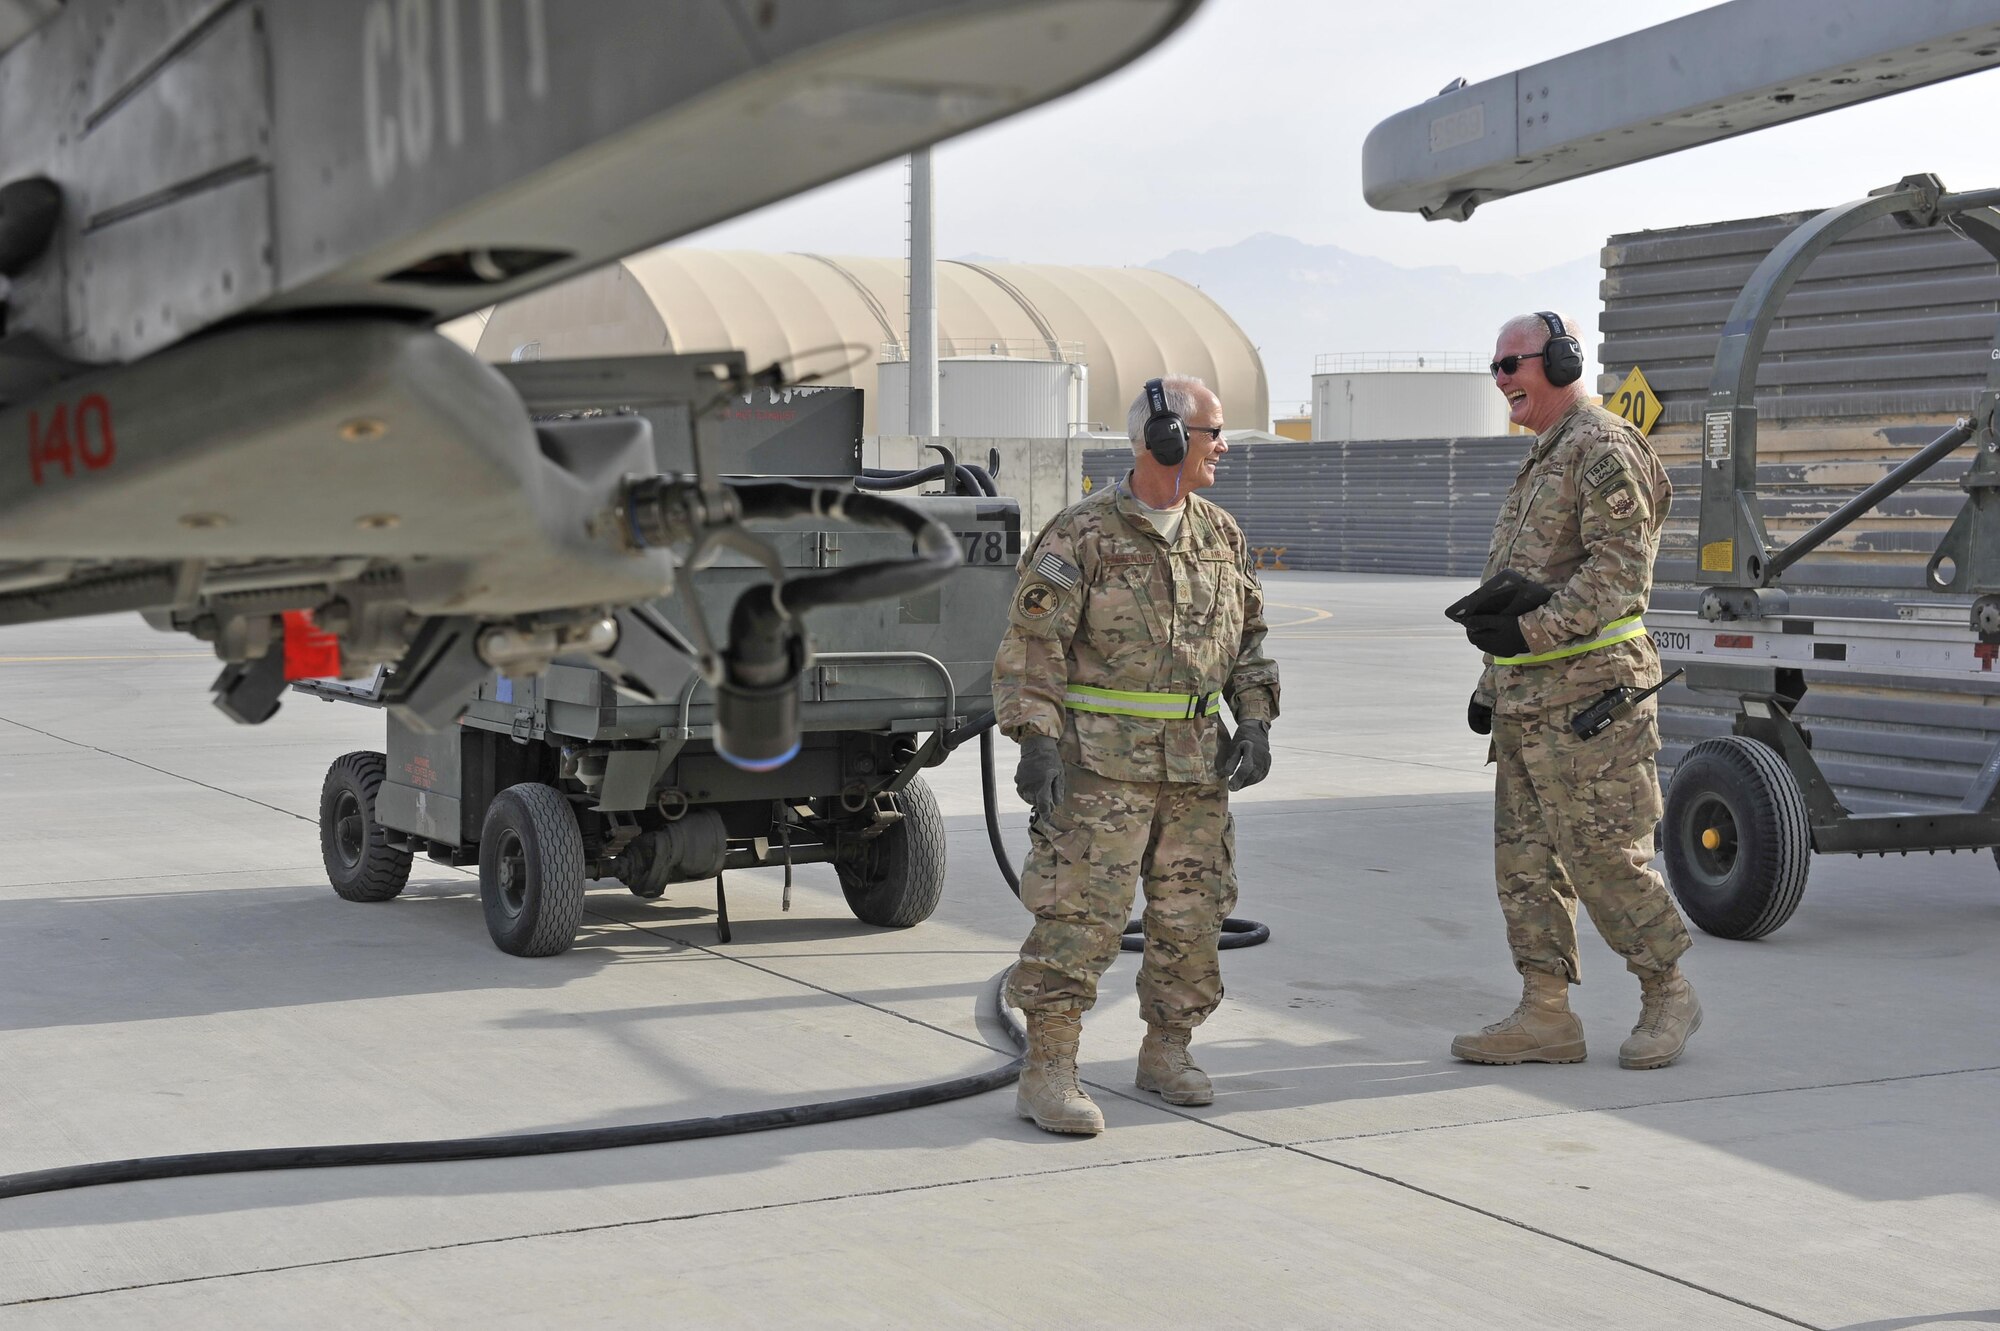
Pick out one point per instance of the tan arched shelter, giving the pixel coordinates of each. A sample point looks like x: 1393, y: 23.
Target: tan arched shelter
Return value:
x: 1127, y: 324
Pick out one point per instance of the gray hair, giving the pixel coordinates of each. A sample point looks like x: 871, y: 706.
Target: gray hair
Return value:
x: 1179, y: 389
x: 1534, y: 323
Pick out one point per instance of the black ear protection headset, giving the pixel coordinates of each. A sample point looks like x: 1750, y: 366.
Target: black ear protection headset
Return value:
x: 1562, y: 358
x: 1166, y: 434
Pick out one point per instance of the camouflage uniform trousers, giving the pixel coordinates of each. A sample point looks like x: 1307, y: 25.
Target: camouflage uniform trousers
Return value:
x: 1180, y: 839
x: 1574, y: 818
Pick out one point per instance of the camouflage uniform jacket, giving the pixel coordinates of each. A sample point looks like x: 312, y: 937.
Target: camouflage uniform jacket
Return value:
x: 1104, y: 601
x: 1583, y: 518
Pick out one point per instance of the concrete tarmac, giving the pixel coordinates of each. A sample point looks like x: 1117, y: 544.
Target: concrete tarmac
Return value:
x: 175, y: 976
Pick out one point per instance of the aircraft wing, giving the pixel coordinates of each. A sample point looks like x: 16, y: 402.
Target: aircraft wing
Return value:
x: 1724, y: 71
x: 226, y: 227
x: 222, y: 157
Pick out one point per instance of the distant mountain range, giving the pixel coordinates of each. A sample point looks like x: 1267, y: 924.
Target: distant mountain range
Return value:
x: 1298, y: 301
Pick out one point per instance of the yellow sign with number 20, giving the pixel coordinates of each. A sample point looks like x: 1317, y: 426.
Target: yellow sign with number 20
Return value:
x: 1634, y: 401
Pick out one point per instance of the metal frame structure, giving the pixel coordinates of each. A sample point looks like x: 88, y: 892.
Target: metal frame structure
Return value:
x: 1737, y: 834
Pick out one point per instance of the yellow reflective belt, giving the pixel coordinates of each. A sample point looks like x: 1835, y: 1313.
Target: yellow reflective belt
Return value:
x: 1126, y: 702
x: 1618, y: 630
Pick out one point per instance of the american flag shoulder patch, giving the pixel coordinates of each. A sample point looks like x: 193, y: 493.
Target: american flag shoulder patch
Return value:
x: 1058, y: 570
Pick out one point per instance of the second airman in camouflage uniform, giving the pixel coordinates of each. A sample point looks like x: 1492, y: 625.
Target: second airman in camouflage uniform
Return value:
x: 1573, y: 819
x: 1135, y: 617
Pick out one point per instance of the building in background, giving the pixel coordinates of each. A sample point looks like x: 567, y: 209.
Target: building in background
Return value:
x: 1037, y: 390
x: 1381, y: 396
x: 1024, y: 343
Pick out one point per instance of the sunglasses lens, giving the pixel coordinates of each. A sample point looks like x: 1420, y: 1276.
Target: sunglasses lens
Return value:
x: 1506, y: 365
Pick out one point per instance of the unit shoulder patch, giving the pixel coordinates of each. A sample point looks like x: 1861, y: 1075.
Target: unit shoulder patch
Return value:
x: 1037, y: 600
x: 1620, y: 503
x: 1604, y: 471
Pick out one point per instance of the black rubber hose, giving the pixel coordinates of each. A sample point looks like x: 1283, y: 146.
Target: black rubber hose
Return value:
x: 873, y: 478
x: 936, y: 551
x: 970, y: 479
x: 986, y: 790
x: 527, y: 1143
x: 1235, y: 932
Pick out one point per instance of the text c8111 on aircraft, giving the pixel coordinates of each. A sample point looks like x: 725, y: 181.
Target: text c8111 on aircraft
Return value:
x: 414, y: 75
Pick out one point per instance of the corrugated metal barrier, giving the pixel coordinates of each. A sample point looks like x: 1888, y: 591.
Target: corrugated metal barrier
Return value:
x: 1411, y: 506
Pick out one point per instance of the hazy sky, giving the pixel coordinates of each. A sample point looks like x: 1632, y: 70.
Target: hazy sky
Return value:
x: 1251, y: 119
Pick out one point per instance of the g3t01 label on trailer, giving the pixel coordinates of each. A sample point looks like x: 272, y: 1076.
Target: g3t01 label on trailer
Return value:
x: 1897, y: 647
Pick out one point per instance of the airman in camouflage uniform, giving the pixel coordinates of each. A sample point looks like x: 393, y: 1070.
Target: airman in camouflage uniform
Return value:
x: 1574, y: 818
x: 1134, y: 616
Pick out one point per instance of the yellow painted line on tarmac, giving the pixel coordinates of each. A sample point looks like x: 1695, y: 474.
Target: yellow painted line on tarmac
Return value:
x: 1312, y: 616
x: 133, y: 656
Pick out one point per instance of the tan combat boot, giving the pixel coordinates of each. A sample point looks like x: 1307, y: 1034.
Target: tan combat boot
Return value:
x: 1668, y: 1014
x: 1048, y: 1092
x: 1164, y: 1066
x: 1541, y: 1030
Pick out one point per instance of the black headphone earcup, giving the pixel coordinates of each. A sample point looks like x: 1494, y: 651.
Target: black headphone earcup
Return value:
x: 1562, y: 361
x: 1562, y: 355
x: 1166, y: 440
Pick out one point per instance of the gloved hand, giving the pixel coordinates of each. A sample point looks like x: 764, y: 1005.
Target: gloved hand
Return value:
x: 1038, y: 780
x: 1246, y: 760
x: 1479, y: 716
x: 1498, y: 634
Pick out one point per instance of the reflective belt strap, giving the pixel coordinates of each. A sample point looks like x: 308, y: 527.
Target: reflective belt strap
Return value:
x: 1618, y: 630
x: 1125, y: 702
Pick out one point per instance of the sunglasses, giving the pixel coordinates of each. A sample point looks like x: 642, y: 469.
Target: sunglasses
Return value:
x: 1213, y: 432
x: 1509, y: 364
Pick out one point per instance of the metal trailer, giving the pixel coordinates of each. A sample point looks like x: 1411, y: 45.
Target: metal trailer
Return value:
x: 548, y: 782
x: 1744, y: 812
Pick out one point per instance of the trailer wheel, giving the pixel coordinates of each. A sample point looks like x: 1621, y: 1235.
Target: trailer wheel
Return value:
x: 531, y: 871
x: 360, y: 863
x: 896, y: 879
x: 1738, y: 841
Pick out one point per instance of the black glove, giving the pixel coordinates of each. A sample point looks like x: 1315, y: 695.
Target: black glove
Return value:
x: 1498, y: 634
x: 1246, y: 760
x: 1479, y: 716
x: 1038, y: 780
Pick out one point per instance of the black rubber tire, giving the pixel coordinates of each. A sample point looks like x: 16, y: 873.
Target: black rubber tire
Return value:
x: 531, y: 871
x: 1752, y: 882
x: 360, y: 863
x: 898, y: 879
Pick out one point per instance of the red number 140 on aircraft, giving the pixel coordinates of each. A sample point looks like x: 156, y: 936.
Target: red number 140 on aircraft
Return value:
x: 71, y: 436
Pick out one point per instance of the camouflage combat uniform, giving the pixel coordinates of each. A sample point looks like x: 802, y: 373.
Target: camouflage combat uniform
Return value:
x: 1104, y: 603
x: 1574, y: 818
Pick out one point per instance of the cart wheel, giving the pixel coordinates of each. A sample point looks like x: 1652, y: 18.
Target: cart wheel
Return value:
x: 1738, y: 842
x: 531, y: 871
x: 898, y: 877
x: 360, y: 863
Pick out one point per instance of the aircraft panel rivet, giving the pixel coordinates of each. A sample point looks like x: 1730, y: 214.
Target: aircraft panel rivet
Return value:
x: 203, y: 521
x: 377, y: 522
x: 363, y: 428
